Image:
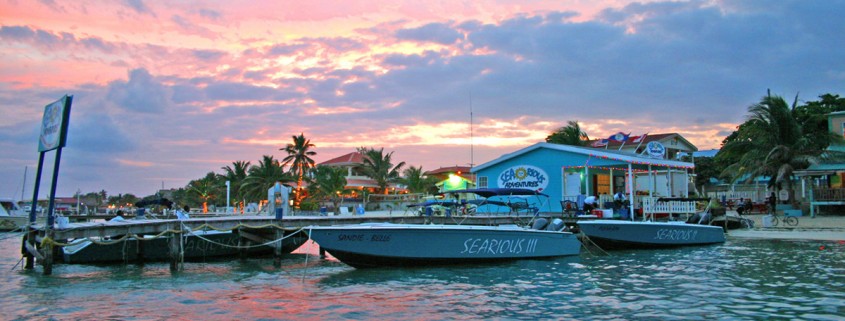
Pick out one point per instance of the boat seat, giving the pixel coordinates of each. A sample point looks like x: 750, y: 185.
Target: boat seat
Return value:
x: 540, y: 224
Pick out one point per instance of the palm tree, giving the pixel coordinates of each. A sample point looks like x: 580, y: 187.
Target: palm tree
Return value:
x: 262, y: 177
x: 299, y: 161
x: 329, y: 183
x: 206, y: 188
x: 569, y: 135
x: 771, y: 143
x: 416, y: 181
x: 379, y: 167
x: 236, y: 174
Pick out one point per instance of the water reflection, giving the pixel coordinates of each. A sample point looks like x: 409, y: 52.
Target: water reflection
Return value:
x: 740, y: 280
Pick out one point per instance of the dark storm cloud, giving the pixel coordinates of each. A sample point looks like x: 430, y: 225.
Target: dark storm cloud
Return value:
x: 142, y: 93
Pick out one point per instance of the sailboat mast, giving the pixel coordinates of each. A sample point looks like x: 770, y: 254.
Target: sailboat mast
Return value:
x: 23, y: 186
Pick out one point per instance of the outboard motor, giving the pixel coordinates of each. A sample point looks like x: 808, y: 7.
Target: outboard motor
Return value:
x: 540, y: 224
x: 555, y: 225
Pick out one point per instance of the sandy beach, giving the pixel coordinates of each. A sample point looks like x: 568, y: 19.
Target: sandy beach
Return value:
x: 822, y: 227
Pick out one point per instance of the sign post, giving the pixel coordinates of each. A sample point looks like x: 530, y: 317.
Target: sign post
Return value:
x: 53, y: 135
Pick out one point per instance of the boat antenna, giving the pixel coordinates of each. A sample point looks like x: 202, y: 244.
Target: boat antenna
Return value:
x: 471, y: 142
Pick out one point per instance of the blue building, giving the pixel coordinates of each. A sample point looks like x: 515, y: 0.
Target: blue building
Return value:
x: 564, y: 172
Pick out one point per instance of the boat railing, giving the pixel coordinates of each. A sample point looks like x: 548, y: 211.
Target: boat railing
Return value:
x: 655, y: 205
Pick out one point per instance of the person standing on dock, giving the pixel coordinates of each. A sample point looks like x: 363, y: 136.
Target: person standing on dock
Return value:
x: 182, y: 214
x: 773, y: 202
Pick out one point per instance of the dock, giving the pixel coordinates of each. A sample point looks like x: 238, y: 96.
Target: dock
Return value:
x: 42, y: 245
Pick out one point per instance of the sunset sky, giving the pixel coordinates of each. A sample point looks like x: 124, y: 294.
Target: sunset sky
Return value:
x: 165, y: 92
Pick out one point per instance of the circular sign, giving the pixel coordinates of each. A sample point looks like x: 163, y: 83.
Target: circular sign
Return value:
x: 524, y: 176
x: 655, y: 149
x: 51, y: 126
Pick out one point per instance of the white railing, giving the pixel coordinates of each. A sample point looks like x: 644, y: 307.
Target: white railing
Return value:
x: 652, y: 206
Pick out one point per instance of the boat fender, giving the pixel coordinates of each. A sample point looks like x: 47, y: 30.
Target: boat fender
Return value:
x: 540, y: 224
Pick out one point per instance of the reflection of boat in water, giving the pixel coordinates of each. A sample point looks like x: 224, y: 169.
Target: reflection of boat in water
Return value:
x: 385, y: 244
x: 197, y: 246
x: 616, y: 234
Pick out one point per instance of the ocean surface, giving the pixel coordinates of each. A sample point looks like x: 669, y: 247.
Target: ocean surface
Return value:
x: 739, y: 280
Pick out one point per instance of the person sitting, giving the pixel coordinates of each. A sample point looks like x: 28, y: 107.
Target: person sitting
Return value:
x: 745, y: 207
x: 619, y: 200
x: 589, y: 204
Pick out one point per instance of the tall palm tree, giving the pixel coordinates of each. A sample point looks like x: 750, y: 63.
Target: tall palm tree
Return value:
x: 378, y: 166
x: 299, y: 161
x: 262, y: 177
x: 206, y: 188
x: 236, y: 174
x: 329, y: 183
x: 416, y: 181
x: 771, y: 143
x: 569, y: 135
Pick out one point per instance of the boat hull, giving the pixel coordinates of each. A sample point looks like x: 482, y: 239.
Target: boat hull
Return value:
x: 615, y: 234
x: 374, y: 245
x: 196, y: 248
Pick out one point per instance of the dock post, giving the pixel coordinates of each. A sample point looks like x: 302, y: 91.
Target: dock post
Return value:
x: 48, y: 255
x: 140, y: 250
x: 175, y: 251
x: 277, y: 248
x: 28, y: 242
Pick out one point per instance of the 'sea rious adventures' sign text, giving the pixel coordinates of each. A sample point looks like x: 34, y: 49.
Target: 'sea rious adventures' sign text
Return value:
x: 524, y: 176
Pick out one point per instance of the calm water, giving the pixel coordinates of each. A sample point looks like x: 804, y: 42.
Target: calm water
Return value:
x: 742, y: 279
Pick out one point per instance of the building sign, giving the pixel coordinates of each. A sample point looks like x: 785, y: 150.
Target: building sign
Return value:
x: 524, y: 176
x: 54, y: 125
x: 655, y: 149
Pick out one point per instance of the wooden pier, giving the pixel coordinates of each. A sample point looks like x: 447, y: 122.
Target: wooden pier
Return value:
x: 44, y: 245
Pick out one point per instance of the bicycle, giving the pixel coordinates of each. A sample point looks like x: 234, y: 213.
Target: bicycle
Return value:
x: 787, y: 220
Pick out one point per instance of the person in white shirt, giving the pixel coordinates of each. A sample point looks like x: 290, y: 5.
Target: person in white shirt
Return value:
x: 589, y: 203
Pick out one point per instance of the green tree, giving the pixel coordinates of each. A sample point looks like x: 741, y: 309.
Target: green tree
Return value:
x: 770, y: 143
x: 329, y: 183
x: 378, y: 166
x: 814, y: 120
x: 262, y: 177
x: 236, y: 174
x: 569, y: 135
x: 299, y: 161
x: 206, y: 189
x: 416, y: 181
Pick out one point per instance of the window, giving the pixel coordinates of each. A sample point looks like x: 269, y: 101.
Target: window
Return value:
x: 482, y: 181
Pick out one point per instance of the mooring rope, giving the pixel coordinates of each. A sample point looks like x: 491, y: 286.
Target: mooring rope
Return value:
x: 249, y: 246
x: 585, y: 237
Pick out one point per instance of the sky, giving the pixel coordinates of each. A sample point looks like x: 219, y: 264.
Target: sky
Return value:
x: 165, y: 92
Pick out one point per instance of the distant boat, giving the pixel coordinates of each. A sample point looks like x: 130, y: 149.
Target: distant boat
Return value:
x: 622, y: 234
x: 386, y: 244
x: 12, y: 217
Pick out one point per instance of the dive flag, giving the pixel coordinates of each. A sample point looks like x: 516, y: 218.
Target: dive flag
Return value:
x: 638, y: 139
x: 600, y: 143
x: 619, y: 137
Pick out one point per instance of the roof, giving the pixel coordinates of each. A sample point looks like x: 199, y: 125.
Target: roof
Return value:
x: 623, y: 157
x: 353, y: 158
x: 448, y: 170
x: 648, y: 138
